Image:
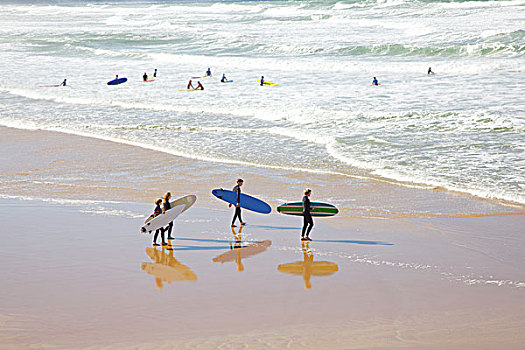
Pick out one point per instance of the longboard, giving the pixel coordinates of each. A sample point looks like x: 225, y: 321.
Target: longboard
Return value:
x: 190, y: 89
x: 117, y: 81
x: 318, y: 209
x: 178, y: 207
x: 247, y: 202
x: 227, y: 81
x: 147, y: 81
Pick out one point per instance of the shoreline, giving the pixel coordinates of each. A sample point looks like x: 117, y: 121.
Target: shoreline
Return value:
x: 340, y: 180
x: 358, y: 176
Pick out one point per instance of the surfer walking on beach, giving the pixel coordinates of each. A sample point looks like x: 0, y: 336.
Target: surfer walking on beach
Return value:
x: 237, y: 189
x: 308, y: 222
x: 156, y: 212
x: 167, y: 206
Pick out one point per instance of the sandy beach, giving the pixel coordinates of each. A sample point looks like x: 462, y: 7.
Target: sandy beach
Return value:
x: 400, y: 267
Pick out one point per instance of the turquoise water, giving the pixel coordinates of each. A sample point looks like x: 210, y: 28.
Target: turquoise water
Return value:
x: 462, y: 128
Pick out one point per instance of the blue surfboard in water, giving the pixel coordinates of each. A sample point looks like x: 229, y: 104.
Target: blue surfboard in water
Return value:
x: 247, y: 202
x: 117, y: 81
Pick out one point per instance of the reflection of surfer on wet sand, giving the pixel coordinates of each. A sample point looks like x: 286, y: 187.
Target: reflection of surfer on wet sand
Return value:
x: 166, y: 268
x: 308, y: 267
x: 238, y: 251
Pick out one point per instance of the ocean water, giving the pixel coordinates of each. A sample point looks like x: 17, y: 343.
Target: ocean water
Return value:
x: 461, y: 129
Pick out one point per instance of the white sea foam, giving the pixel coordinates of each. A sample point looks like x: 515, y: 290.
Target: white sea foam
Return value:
x: 460, y: 129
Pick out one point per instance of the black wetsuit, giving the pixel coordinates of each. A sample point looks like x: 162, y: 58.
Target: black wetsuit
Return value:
x: 157, y: 212
x: 308, y: 221
x: 167, y: 206
x: 237, y: 209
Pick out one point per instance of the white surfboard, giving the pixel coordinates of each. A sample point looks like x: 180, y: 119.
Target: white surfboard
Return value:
x: 163, y: 219
x: 178, y: 206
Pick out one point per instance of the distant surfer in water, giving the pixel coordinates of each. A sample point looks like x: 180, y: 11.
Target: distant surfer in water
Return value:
x: 430, y: 71
x: 199, y: 86
x: 116, y: 77
x: 262, y: 80
x: 167, y: 206
x: 375, y: 82
x: 308, y: 222
x: 190, y: 86
x: 64, y: 83
x: 208, y: 73
x: 155, y: 73
x: 237, y: 189
x: 145, y: 77
x: 156, y: 212
x: 223, y: 79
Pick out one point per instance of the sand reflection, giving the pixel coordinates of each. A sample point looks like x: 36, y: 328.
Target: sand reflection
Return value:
x: 238, y: 251
x: 166, y: 268
x: 308, y: 267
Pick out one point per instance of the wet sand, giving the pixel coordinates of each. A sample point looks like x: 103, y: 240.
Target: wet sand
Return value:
x: 399, y: 268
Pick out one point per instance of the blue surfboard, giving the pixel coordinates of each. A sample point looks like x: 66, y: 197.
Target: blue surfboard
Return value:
x: 227, y: 81
x: 117, y: 81
x: 247, y: 202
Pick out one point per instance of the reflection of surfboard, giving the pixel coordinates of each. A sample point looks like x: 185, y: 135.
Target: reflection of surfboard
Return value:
x: 117, y: 81
x: 243, y: 252
x: 315, y: 268
x: 318, y: 209
x: 247, y: 202
x: 166, y: 267
x: 186, y: 201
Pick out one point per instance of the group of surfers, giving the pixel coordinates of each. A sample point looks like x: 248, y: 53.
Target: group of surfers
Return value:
x: 308, y: 222
x: 190, y: 86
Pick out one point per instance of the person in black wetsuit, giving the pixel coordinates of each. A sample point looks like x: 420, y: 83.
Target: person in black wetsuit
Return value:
x: 64, y: 83
x: 237, y: 189
x: 145, y: 76
x: 308, y: 222
x: 158, y: 211
x: 155, y: 73
x: 430, y: 71
x: 167, y: 206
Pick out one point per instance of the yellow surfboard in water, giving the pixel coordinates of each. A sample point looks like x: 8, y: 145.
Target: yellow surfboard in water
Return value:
x: 268, y: 83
